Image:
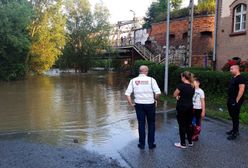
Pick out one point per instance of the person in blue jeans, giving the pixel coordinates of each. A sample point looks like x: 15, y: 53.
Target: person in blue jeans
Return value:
x: 199, y: 109
x: 146, y: 93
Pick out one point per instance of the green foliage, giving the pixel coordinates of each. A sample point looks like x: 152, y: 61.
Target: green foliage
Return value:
x: 213, y: 82
x: 205, y: 7
x: 155, y: 70
x: 48, y: 35
x: 244, y: 114
x: 12, y: 71
x: 180, y: 13
x: 101, y: 63
x: 157, y: 11
x: 88, y: 34
x: 14, y: 39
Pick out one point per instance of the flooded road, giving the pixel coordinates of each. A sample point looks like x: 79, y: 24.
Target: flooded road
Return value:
x: 60, y: 108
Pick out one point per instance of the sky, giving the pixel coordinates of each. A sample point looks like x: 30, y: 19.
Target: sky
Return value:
x: 120, y: 9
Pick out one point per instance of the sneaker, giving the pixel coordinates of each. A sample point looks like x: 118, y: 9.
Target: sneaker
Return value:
x: 141, y: 146
x: 152, y: 146
x: 179, y: 145
x: 191, y: 144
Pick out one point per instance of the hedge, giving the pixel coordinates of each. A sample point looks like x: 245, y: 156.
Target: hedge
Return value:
x: 213, y: 82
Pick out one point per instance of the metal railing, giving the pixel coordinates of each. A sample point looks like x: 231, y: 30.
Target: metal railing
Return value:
x: 142, y: 50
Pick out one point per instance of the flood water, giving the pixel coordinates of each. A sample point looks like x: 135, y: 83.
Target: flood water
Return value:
x: 59, y: 108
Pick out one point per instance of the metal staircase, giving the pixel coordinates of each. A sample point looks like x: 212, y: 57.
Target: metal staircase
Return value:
x: 146, y: 54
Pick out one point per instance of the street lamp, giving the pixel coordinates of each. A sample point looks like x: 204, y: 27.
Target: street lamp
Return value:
x: 133, y: 14
x: 167, y: 49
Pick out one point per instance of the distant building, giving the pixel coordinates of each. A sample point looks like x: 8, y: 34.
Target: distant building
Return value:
x: 232, y: 38
x: 141, y: 36
x: 203, y: 36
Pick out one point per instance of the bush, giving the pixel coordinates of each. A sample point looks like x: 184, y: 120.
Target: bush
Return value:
x: 214, y: 83
x: 205, y: 7
x: 155, y: 70
x: 236, y: 61
x: 12, y: 72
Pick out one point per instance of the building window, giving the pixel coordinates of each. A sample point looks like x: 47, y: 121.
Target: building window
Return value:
x: 240, y: 18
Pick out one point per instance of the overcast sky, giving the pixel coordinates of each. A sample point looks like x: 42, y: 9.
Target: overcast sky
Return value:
x: 120, y: 9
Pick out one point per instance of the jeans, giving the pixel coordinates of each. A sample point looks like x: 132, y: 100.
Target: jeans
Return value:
x: 146, y: 112
x: 197, y: 114
x: 184, y: 119
x: 234, y: 111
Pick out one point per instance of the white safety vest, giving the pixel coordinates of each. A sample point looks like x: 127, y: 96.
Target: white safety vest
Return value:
x: 143, y: 88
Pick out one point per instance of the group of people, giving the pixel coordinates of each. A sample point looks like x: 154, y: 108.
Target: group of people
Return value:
x: 190, y: 105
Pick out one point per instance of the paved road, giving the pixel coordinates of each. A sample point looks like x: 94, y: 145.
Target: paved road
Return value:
x: 24, y: 154
x: 212, y: 151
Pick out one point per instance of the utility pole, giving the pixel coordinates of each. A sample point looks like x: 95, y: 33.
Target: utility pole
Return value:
x: 134, y: 27
x: 167, y: 49
x: 188, y: 59
x: 215, y: 33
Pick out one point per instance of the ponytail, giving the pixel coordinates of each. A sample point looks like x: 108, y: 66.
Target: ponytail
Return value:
x: 188, y: 76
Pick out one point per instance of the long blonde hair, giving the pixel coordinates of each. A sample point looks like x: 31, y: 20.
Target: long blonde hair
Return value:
x: 189, y: 77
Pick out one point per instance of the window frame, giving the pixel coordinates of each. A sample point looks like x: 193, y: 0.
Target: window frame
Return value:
x: 241, y: 14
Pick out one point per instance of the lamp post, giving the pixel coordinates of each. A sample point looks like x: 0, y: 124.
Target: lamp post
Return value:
x: 167, y: 49
x: 133, y: 14
x: 215, y: 32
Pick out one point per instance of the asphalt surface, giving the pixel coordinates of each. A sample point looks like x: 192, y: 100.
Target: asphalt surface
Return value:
x: 24, y: 154
x: 213, y: 150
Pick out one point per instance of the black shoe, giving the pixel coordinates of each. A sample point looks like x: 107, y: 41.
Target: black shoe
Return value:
x: 141, y: 146
x: 152, y: 146
x: 232, y: 137
x: 229, y: 132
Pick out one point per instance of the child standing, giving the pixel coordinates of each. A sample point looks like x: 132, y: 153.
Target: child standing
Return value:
x: 198, y: 108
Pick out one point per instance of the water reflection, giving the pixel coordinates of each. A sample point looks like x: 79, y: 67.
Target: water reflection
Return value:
x: 88, y: 107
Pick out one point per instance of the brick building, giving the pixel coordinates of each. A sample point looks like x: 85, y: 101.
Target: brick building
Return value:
x: 232, y: 39
x: 203, y: 35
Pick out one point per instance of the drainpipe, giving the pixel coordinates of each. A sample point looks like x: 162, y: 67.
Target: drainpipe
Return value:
x: 166, y: 74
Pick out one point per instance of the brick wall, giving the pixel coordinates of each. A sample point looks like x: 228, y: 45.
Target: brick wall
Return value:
x: 203, y: 34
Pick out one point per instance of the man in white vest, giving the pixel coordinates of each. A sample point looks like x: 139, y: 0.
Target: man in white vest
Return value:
x: 146, y: 93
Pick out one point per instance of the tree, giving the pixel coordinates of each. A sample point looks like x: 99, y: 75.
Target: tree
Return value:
x: 88, y: 33
x: 15, y: 17
x: 157, y: 11
x: 48, y: 35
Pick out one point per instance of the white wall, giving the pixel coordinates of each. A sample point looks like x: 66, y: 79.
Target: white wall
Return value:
x: 141, y: 36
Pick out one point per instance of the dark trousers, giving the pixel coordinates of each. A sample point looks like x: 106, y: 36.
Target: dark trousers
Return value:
x: 197, y: 114
x: 234, y: 111
x: 146, y: 112
x: 184, y: 119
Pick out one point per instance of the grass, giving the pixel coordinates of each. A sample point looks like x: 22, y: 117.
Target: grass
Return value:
x: 216, y: 108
